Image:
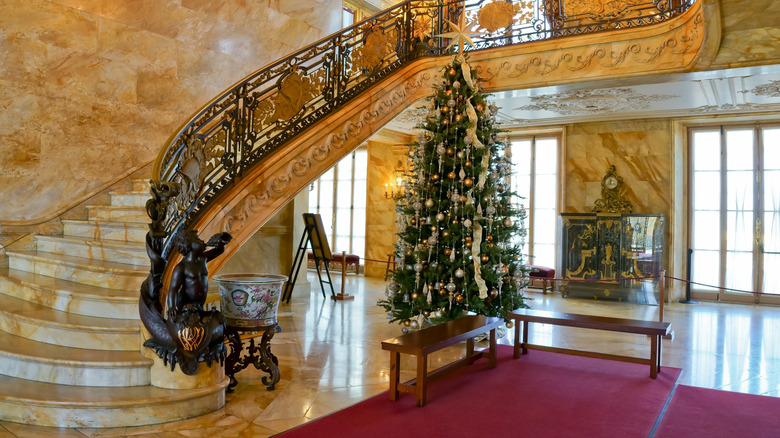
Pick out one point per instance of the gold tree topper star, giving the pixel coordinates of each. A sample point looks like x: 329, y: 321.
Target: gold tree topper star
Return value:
x: 460, y: 33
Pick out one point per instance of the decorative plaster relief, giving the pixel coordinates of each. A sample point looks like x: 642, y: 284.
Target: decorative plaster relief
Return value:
x: 771, y: 89
x: 588, y: 101
x: 654, y: 51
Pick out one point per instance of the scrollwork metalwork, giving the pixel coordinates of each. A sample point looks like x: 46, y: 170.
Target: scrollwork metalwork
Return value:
x: 246, y: 123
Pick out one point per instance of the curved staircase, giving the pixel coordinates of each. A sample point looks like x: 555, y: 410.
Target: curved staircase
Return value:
x: 70, y: 353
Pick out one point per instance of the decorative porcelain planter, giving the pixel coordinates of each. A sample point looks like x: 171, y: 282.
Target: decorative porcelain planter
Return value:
x: 250, y: 300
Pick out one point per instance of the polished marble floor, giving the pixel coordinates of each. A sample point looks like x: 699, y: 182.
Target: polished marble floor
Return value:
x: 330, y: 357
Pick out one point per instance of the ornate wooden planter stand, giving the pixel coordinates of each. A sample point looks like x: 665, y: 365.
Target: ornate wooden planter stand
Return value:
x: 258, y: 355
x: 250, y: 302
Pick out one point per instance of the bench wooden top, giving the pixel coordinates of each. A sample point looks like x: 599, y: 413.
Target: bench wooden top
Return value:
x: 592, y: 321
x: 443, y: 335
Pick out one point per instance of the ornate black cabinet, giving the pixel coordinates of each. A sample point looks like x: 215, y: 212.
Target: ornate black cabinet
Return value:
x: 609, y: 255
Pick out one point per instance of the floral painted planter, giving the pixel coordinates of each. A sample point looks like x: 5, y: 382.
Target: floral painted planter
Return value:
x: 250, y: 300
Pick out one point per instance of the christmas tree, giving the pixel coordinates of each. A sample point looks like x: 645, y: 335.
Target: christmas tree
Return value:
x: 460, y: 226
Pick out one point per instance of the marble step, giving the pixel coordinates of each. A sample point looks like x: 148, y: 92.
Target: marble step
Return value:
x: 140, y: 185
x: 124, y: 231
x: 79, y: 269
x: 104, y: 249
x: 130, y: 199
x: 51, y: 326
x: 48, y: 404
x: 68, y: 296
x: 117, y: 213
x: 27, y: 359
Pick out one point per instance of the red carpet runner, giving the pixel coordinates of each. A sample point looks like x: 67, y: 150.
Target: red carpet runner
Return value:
x: 701, y: 412
x: 540, y: 395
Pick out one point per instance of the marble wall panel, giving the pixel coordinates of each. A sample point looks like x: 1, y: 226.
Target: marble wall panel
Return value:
x: 749, y: 38
x: 93, y: 89
x: 380, y: 213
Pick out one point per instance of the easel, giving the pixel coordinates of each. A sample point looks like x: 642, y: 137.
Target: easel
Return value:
x: 314, y: 232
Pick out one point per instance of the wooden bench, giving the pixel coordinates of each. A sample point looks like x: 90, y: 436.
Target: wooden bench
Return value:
x: 426, y: 341
x: 654, y: 329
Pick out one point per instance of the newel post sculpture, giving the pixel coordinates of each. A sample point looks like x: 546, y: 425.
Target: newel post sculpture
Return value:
x: 185, y: 334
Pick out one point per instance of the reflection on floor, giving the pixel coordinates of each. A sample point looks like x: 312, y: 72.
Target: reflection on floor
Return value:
x: 330, y: 357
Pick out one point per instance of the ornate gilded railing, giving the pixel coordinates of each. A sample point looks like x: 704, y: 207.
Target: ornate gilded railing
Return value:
x: 246, y: 123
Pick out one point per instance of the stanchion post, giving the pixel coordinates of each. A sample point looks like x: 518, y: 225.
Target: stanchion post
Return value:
x: 343, y: 296
x: 662, y: 296
x: 688, y: 299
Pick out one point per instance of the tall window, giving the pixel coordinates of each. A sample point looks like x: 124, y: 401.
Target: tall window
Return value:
x: 535, y: 179
x: 347, y: 16
x: 735, y: 209
x: 339, y: 196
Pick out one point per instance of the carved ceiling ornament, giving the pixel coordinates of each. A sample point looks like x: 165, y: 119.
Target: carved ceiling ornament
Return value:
x: 771, y: 89
x: 612, y: 191
x: 588, y: 101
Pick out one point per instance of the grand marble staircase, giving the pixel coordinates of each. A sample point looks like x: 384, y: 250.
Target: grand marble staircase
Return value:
x: 70, y: 353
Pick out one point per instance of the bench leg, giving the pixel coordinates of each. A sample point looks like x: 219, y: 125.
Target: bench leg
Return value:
x: 526, y: 329
x: 422, y: 372
x: 395, y: 374
x: 517, y: 340
x: 492, y: 358
x: 654, y: 358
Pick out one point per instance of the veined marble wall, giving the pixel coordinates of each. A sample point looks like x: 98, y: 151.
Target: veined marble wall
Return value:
x: 380, y: 215
x: 751, y: 32
x: 92, y: 89
x: 641, y: 153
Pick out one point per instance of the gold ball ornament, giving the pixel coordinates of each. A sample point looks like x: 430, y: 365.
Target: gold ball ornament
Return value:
x: 469, y: 240
x: 415, y: 295
x: 450, y: 151
x: 447, y: 251
x: 452, y: 72
x: 468, y: 182
x: 407, y: 323
x: 510, y: 324
x: 460, y: 154
x: 451, y: 175
x: 429, y: 203
x: 468, y: 163
x: 493, y: 293
x: 485, y: 258
x: 458, y: 118
x: 435, y: 177
x: 459, y: 298
x: 442, y: 292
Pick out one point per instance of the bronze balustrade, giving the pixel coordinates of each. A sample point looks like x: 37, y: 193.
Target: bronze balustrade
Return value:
x: 246, y: 123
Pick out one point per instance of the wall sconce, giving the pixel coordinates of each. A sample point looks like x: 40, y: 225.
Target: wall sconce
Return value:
x: 396, y: 185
